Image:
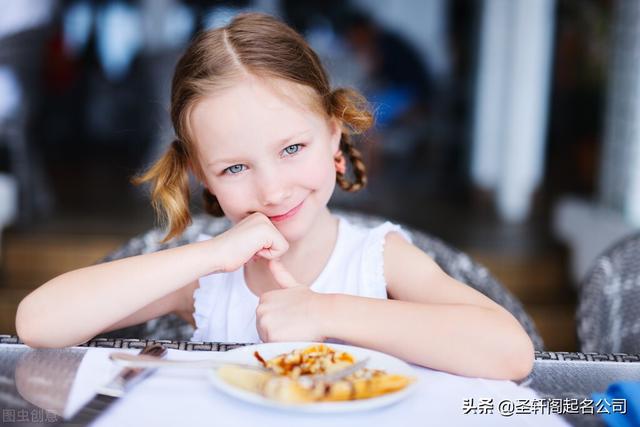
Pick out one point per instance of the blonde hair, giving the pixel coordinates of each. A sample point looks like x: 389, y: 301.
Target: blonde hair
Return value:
x: 257, y: 45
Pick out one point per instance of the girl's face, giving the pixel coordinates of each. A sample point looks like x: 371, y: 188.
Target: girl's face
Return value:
x: 263, y: 152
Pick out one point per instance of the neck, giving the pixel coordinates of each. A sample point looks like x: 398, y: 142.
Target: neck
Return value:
x: 322, y: 235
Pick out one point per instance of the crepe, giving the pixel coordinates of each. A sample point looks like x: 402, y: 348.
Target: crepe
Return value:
x: 281, y: 379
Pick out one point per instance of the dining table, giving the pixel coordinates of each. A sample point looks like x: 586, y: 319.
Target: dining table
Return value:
x: 48, y: 386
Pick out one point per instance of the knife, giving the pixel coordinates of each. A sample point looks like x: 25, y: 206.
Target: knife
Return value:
x: 141, y: 361
x: 334, y: 376
x: 110, y: 392
x: 132, y: 360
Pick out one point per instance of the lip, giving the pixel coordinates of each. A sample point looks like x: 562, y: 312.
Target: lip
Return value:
x: 287, y: 215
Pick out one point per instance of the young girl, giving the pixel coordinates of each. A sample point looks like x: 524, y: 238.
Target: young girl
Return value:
x: 259, y: 126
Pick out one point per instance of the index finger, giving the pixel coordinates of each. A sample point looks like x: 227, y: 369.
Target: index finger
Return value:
x: 282, y: 276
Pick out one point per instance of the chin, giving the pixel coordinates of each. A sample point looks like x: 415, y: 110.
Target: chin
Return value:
x: 299, y: 226
x: 293, y: 231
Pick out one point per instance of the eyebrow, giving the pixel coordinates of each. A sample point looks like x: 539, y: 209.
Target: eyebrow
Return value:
x: 277, y: 143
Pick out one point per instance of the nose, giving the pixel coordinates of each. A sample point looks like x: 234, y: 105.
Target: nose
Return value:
x: 272, y: 188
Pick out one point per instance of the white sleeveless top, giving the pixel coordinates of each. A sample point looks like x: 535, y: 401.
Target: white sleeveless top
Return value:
x: 225, y: 308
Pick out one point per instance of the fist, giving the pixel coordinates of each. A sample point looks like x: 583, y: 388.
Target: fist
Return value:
x: 291, y: 313
x: 255, y: 235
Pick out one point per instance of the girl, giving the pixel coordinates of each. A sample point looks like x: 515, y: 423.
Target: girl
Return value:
x: 258, y: 125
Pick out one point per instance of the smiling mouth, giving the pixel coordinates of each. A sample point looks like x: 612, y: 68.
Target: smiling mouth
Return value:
x: 288, y: 214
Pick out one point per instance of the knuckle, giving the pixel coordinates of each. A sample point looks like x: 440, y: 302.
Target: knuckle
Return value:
x: 263, y: 229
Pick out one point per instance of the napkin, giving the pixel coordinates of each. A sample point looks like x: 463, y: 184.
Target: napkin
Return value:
x: 620, y: 404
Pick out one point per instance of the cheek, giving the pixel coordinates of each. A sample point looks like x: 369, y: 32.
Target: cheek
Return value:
x: 316, y: 173
x: 232, y: 200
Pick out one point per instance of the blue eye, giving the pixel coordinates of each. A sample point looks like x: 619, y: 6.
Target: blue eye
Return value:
x: 292, y: 149
x: 235, y: 169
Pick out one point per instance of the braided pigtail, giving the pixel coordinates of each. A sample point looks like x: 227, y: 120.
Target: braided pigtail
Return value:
x: 353, y: 111
x: 358, y: 168
x: 169, y: 179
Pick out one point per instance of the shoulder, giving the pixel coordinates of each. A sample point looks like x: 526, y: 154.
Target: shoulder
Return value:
x: 371, y: 241
x: 363, y: 229
x: 399, y: 253
x: 412, y: 275
x: 405, y: 265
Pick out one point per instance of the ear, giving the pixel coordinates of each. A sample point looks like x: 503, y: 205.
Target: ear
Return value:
x: 341, y: 164
x: 336, y: 134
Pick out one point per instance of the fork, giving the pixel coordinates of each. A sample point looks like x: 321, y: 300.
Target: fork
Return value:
x: 110, y: 392
x: 133, y: 374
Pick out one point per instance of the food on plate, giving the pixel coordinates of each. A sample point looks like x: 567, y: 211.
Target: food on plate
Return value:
x: 284, y: 377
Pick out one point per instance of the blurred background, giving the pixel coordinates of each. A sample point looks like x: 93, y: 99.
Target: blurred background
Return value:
x: 508, y: 128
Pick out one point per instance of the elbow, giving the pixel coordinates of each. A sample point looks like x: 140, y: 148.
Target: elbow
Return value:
x: 517, y: 350
x: 27, y: 327
x: 23, y: 330
x: 521, y: 359
x: 36, y: 330
x: 31, y: 342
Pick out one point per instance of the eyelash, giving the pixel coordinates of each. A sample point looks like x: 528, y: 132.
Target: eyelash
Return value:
x: 227, y: 171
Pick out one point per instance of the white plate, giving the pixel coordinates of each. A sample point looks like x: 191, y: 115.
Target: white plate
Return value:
x: 390, y: 364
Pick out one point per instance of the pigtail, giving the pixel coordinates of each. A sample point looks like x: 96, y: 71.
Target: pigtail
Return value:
x: 169, y: 179
x: 353, y: 111
x: 358, y: 168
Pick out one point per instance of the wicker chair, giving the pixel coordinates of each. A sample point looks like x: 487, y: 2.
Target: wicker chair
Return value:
x: 455, y: 263
x: 608, y: 301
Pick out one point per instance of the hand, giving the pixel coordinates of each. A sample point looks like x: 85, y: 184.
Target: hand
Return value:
x: 292, y: 313
x: 254, y: 236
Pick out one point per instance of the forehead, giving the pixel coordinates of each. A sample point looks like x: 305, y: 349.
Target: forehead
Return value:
x: 252, y: 111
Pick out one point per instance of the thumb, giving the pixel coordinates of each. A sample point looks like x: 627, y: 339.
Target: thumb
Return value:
x: 282, y: 276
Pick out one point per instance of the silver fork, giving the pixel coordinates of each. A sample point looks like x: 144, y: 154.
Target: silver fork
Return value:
x: 110, y: 392
x: 131, y: 375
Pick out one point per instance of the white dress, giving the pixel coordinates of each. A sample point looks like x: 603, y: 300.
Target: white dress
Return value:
x: 225, y: 308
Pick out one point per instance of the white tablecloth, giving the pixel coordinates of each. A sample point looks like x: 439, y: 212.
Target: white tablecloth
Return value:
x: 174, y: 397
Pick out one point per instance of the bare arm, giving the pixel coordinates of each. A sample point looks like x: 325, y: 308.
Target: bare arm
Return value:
x: 76, y: 306
x: 179, y: 302
x: 434, y: 321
